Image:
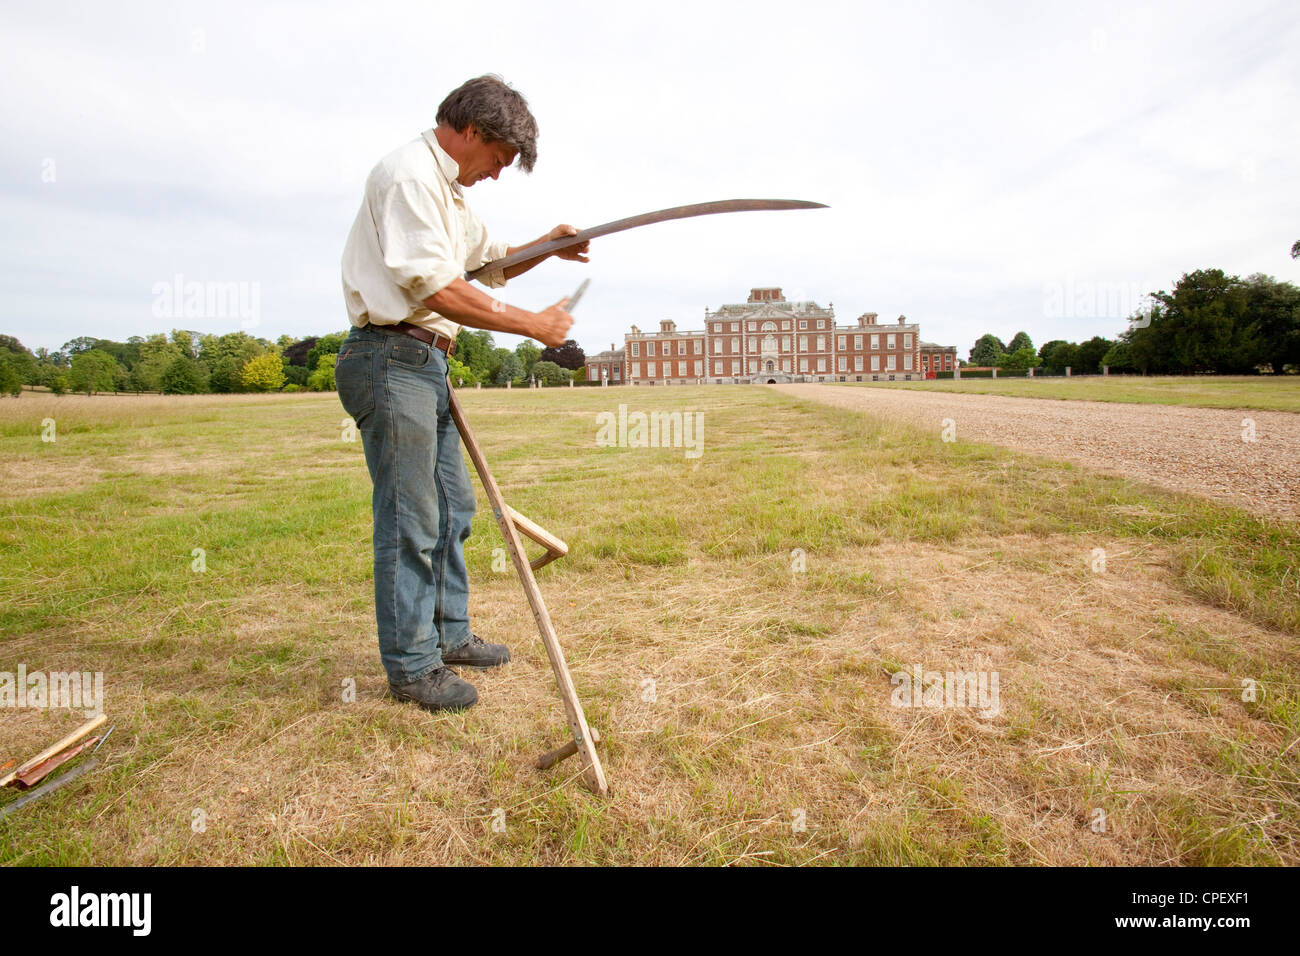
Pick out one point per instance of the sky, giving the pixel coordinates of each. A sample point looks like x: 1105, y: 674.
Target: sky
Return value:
x: 990, y: 167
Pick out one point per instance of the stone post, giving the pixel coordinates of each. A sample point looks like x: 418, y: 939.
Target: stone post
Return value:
x: 1067, y: 371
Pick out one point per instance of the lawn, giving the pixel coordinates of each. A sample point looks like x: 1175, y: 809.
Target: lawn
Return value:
x: 1279, y: 394
x: 732, y: 622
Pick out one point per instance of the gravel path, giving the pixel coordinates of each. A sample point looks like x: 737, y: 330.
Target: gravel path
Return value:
x: 1198, y: 450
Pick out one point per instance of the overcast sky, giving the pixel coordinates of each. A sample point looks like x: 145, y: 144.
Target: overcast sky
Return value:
x: 990, y: 167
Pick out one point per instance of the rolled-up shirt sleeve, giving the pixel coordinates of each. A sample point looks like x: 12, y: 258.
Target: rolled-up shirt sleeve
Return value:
x: 414, y: 241
x: 483, y: 250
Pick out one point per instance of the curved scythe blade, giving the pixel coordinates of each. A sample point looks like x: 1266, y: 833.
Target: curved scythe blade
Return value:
x: 645, y: 219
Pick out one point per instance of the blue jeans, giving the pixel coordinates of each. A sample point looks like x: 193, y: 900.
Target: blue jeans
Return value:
x: 395, y: 388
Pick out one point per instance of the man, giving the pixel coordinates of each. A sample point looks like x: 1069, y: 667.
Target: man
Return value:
x: 403, y: 280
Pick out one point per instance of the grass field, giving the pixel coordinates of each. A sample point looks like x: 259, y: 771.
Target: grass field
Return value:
x: 732, y: 623
x: 1280, y: 394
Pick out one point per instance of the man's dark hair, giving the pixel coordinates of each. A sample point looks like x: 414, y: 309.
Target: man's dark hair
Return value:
x: 499, y: 113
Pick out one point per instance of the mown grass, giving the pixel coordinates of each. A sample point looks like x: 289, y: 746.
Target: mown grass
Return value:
x: 731, y: 621
x: 1270, y: 393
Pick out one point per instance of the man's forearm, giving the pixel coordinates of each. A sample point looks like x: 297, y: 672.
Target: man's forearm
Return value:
x: 519, y: 268
x: 463, y: 303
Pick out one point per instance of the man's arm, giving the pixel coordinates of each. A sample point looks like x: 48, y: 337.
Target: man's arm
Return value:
x: 463, y: 303
x: 575, y: 253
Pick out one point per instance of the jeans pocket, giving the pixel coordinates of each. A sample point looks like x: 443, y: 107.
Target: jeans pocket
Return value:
x: 352, y: 378
x: 413, y: 355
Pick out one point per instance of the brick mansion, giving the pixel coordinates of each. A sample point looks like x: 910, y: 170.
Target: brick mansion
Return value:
x: 770, y: 340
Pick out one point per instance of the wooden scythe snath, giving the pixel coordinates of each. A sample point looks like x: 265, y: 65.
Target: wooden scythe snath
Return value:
x: 512, y: 523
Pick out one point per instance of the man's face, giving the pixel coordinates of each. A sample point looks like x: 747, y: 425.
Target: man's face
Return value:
x: 483, y: 159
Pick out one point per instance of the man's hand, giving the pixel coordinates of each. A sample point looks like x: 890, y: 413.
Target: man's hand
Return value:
x: 551, y: 326
x: 576, y: 253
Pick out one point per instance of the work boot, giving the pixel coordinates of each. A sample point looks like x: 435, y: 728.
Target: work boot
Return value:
x: 437, y: 690
x: 477, y: 652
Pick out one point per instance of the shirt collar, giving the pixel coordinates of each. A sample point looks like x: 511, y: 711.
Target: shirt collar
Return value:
x: 450, y: 168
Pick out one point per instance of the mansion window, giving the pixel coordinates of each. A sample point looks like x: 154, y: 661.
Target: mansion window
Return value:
x: 889, y: 340
x: 875, y: 341
x: 650, y: 349
x: 857, y: 363
x: 857, y: 344
x: 650, y: 369
x: 875, y: 363
x: 636, y: 369
x: 907, y: 362
x: 636, y: 349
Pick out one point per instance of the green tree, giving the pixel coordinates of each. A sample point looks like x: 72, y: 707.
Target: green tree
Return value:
x: 1274, y: 309
x: 156, y: 355
x: 1063, y: 354
x: 548, y: 373
x: 528, y: 354
x: 322, y: 380
x: 20, y: 359
x: 498, y: 359
x: 1020, y: 341
x: 58, y: 383
x: 1023, y: 358
x: 11, y: 382
x: 512, y: 369
x: 988, y: 350
x: 181, y: 377
x: 474, y: 350
x: 325, y: 345
x: 1047, y: 347
x: 225, y: 357
x: 226, y: 375
x: 93, y: 371
x: 1090, y: 354
x: 295, y: 375
x: 459, y: 374
x: 265, y: 373
x: 1119, y: 357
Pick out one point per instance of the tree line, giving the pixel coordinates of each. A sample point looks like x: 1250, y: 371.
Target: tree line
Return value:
x: 186, y: 362
x: 1209, y: 322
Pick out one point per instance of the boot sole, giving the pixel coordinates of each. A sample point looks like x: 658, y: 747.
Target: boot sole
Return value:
x: 432, y: 708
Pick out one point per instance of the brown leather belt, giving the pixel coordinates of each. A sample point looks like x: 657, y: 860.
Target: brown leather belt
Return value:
x: 437, y: 340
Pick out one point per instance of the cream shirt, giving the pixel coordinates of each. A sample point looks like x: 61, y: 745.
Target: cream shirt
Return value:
x: 413, y: 236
